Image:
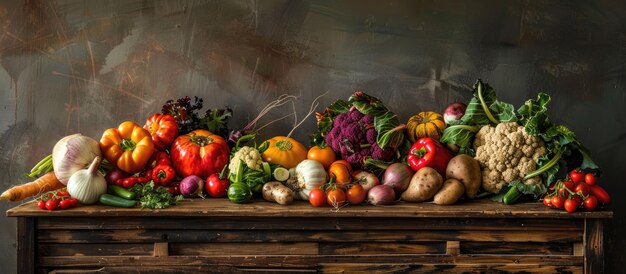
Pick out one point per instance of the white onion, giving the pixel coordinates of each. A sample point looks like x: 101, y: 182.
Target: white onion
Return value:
x: 87, y: 185
x: 73, y: 153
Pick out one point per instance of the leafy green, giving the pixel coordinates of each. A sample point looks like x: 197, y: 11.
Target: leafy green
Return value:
x: 386, y: 123
x: 534, y: 114
x: 534, y: 189
x: 155, y: 198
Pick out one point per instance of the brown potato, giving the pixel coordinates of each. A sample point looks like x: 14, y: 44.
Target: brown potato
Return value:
x: 465, y: 169
x: 450, y: 192
x: 423, y: 186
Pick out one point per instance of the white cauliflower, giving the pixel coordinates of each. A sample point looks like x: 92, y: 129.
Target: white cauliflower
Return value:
x: 249, y: 155
x: 507, y: 153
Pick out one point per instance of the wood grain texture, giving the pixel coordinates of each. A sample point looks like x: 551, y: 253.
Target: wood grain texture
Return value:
x: 26, y: 245
x: 224, y: 208
x: 433, y: 268
x: 594, y: 247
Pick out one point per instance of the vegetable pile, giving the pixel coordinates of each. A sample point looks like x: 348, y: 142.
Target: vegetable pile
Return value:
x: 359, y: 154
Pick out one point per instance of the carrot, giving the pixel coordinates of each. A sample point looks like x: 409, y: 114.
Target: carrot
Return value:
x: 45, y: 183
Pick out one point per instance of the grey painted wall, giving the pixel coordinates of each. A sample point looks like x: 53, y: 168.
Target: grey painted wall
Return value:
x: 84, y: 66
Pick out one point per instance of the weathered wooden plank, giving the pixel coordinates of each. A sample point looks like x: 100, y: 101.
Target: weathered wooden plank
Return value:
x: 214, y: 249
x: 446, y: 268
x: 161, y: 249
x: 273, y: 223
x: 519, y: 248
x: 134, y: 249
x: 179, y: 269
x: 453, y: 248
x: 223, y: 208
x: 303, y: 261
x: 382, y: 248
x: 26, y: 245
x: 149, y: 236
x: 594, y: 246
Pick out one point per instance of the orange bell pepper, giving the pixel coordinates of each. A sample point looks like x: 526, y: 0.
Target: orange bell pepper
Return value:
x: 128, y: 147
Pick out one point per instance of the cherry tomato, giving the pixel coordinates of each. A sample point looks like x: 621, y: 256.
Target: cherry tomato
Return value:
x: 562, y: 192
x: 582, y: 188
x: 600, y: 193
x: 355, y: 194
x: 571, y: 205
x: 73, y: 201
x: 336, y: 197
x: 591, y: 203
x: 547, y: 201
x: 216, y: 187
x: 129, y: 182
x: 577, y: 176
x: 52, y: 204
x: 65, y: 204
x: 569, y: 184
x: 317, y: 197
x: 558, y: 201
x: 41, y: 204
x: 590, y: 179
x: 63, y: 194
x: 578, y: 199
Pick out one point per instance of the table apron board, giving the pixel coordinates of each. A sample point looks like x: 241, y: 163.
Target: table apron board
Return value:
x: 301, y: 244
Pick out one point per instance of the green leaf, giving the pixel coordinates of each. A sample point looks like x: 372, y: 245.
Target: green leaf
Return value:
x: 390, y: 132
x: 534, y: 114
x: 535, y: 189
x: 460, y: 135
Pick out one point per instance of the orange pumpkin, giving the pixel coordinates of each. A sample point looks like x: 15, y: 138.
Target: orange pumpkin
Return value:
x: 425, y: 124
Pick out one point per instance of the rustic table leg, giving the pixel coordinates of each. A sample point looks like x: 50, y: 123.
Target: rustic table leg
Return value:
x: 25, y: 245
x: 594, y: 246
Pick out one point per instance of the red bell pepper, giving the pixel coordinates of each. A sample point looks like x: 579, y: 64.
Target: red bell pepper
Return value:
x: 163, y: 175
x: 428, y: 152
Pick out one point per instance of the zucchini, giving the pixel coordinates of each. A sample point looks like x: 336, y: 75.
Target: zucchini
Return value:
x: 112, y: 200
x: 121, y: 192
x: 239, y: 193
x: 512, y: 196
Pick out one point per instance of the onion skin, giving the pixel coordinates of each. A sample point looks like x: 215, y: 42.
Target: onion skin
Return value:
x: 115, y: 174
x: 191, y: 186
x: 381, y: 195
x: 398, y: 177
x: 73, y: 153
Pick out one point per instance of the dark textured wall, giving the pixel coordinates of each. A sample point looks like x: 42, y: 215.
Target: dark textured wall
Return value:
x: 84, y: 66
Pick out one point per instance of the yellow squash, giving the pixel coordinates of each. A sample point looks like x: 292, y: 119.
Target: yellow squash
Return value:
x: 284, y: 151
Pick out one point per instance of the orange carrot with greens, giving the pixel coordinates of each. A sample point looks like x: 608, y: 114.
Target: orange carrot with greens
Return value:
x: 45, y: 183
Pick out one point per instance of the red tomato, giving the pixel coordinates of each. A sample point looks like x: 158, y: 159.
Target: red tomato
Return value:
x: 200, y: 153
x: 600, y: 194
x: 582, y: 188
x: 569, y: 184
x: 129, y: 182
x: 163, y: 129
x: 590, y: 179
x: 317, y: 197
x: 558, y: 201
x: 590, y: 203
x: 65, y: 204
x: 52, y: 204
x: 63, y: 193
x: 577, y: 176
x: 73, y: 201
x: 355, y: 194
x: 336, y: 197
x: 547, y: 201
x: 41, y: 204
x: 216, y: 187
x: 571, y: 205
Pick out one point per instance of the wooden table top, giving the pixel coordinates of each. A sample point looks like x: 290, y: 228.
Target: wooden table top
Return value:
x: 211, y: 207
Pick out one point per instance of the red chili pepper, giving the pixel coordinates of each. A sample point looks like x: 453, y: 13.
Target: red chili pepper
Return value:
x: 145, y: 176
x: 129, y: 182
x: 163, y: 175
x: 427, y: 152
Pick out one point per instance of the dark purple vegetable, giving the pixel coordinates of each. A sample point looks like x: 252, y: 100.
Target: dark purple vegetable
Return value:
x: 398, y: 176
x: 381, y: 195
x: 115, y: 174
x: 192, y: 186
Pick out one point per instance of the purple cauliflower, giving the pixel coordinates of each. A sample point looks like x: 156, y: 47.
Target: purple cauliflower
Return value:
x: 353, y: 135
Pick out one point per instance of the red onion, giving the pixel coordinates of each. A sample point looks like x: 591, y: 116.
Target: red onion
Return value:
x: 398, y: 176
x: 115, y: 174
x: 381, y: 195
x: 192, y: 186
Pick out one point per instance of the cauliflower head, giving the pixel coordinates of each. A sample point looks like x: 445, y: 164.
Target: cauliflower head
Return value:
x: 507, y: 153
x: 249, y: 155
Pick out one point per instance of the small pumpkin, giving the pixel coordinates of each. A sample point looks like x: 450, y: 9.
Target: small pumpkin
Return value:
x: 425, y: 124
x: 306, y: 176
x: 284, y: 151
x: 341, y: 171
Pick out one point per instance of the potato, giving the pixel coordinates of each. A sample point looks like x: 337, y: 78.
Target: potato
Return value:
x: 465, y: 169
x: 450, y: 192
x: 277, y: 192
x: 423, y: 186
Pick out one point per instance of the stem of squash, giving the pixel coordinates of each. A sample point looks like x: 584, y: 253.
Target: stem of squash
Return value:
x: 314, y: 105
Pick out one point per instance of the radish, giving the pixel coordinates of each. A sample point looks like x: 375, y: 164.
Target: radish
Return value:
x: 454, y: 112
x: 192, y: 186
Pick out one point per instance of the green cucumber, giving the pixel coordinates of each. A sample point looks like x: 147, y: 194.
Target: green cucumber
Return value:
x: 239, y: 193
x: 512, y: 196
x: 112, y: 200
x: 121, y: 192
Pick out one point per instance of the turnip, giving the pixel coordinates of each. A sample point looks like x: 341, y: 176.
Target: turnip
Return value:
x: 192, y: 186
x: 381, y: 195
x: 366, y: 179
x: 454, y: 112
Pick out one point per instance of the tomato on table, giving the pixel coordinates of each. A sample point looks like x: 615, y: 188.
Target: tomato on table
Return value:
x: 317, y: 197
x: 577, y: 176
x: 355, y: 194
x: 336, y: 197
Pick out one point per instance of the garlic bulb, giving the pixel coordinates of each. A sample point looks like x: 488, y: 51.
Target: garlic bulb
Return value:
x: 73, y: 153
x: 87, y: 185
x: 307, y: 175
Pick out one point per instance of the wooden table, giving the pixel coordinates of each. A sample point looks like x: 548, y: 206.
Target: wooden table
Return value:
x: 216, y: 235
